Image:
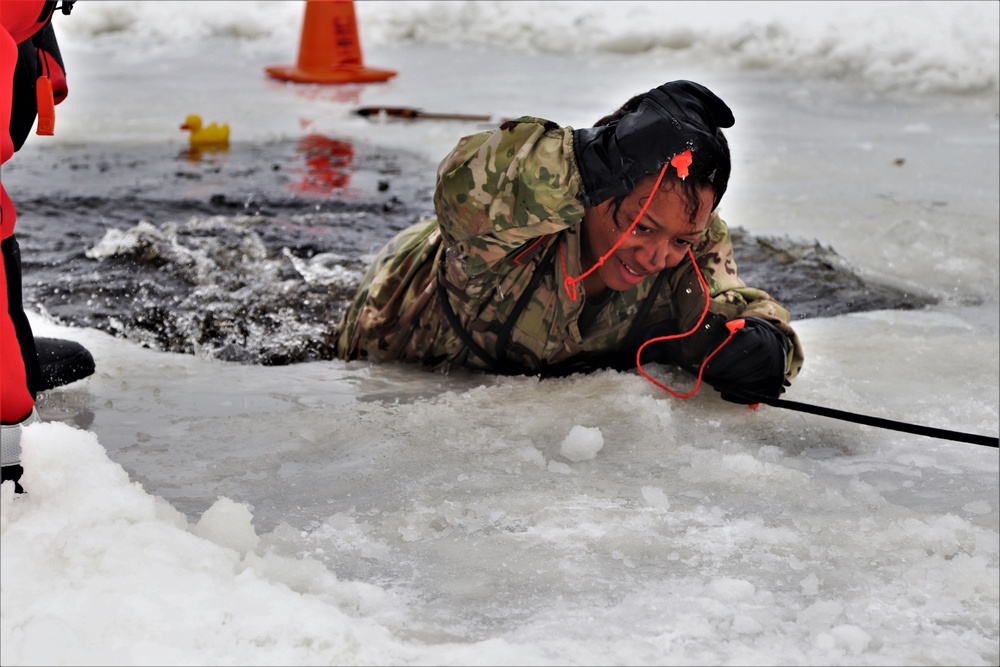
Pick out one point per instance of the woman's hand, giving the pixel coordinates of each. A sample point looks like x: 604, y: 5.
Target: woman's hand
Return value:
x: 750, y: 365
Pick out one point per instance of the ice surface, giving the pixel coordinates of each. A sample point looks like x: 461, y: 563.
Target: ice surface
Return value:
x: 188, y: 510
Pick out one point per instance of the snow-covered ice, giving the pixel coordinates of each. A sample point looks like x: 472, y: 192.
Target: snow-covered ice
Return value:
x: 185, y: 510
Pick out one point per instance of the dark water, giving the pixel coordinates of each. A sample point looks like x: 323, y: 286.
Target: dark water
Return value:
x: 252, y: 254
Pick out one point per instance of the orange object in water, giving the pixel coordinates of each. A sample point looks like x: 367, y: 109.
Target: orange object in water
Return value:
x: 329, y: 49
x: 329, y: 164
x: 46, y: 103
x: 681, y: 162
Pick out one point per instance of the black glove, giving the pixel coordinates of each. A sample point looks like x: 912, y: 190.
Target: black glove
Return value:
x: 671, y: 119
x: 753, y: 361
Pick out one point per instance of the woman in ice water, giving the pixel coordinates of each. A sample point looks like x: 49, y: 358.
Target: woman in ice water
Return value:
x: 557, y: 250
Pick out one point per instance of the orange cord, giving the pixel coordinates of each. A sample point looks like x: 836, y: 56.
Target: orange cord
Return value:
x: 733, y: 326
x: 680, y: 162
x: 569, y: 284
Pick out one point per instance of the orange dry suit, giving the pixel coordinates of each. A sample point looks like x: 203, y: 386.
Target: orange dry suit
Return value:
x: 27, y: 50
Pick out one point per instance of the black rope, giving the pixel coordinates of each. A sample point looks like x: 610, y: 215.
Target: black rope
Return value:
x: 917, y: 429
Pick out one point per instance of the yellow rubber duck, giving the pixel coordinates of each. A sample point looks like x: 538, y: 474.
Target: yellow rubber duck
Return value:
x: 212, y: 135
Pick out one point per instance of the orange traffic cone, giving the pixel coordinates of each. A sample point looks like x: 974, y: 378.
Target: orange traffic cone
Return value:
x: 329, y: 50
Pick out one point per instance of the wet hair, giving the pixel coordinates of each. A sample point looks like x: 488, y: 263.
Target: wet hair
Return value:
x: 712, y: 173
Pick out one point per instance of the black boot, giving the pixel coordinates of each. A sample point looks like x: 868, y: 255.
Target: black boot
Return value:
x: 61, y: 362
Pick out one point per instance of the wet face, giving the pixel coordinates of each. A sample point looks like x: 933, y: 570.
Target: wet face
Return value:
x: 659, y: 241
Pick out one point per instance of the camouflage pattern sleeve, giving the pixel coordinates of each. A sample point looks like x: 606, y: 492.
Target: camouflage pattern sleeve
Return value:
x: 501, y: 188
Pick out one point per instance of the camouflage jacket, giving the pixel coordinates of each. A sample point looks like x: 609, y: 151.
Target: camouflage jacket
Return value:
x: 507, y: 233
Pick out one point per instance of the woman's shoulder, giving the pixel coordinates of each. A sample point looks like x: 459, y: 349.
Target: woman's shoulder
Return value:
x: 717, y: 230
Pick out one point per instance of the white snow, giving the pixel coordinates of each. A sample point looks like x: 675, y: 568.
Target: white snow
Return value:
x: 182, y: 510
x: 582, y: 443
